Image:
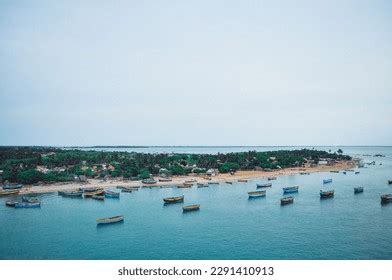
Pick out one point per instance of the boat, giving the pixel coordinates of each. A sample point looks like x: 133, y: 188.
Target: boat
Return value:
x: 349, y: 170
x: 86, y: 190
x: 191, y: 208
x: 256, y: 194
x: 27, y: 205
x: 185, y: 186
x: 120, y: 187
x: 358, y: 190
x: 286, y: 200
x: 98, y: 197
x: 386, y: 198
x: 243, y: 180
x: 291, y: 189
x: 271, y: 178
x: 110, y: 220
x: 334, y: 171
x: 71, y: 193
x: 125, y: 189
x: 149, y: 181
x: 91, y: 194
x: 191, y: 181
x: 174, y: 199
x: 265, y: 185
x: 390, y: 182
x: 200, y: 185
x: 344, y: 172
x: 110, y: 194
x: 8, y: 192
x: 229, y: 182
x: 304, y: 173
x: 29, y: 199
x: 165, y: 179
x: 327, y: 181
x: 12, y: 187
x: 213, y: 183
x: 327, y: 194
x: 356, y: 172
x: 10, y: 203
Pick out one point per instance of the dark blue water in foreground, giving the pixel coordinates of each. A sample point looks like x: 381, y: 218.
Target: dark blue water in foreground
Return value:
x: 228, y: 226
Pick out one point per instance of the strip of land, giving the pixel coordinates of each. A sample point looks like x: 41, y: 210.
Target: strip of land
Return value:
x: 178, y: 180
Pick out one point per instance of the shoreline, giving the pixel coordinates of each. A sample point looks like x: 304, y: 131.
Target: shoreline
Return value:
x: 178, y: 180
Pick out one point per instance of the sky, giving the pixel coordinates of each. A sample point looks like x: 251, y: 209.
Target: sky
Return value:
x: 80, y: 73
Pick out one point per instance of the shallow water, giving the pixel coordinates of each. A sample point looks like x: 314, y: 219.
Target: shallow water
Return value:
x: 228, y: 225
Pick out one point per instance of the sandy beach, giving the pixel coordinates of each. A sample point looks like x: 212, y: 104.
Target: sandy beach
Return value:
x: 177, y: 180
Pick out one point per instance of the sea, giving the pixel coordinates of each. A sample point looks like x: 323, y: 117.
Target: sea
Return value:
x: 228, y: 225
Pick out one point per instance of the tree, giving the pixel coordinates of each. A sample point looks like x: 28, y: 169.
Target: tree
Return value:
x: 29, y: 176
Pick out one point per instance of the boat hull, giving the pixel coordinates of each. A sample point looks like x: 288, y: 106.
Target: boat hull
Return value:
x: 169, y: 200
x: 28, y: 205
x: 111, y: 220
x: 190, y: 208
x: 290, y: 190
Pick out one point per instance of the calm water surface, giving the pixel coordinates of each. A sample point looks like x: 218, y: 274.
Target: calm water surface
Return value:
x: 228, y: 226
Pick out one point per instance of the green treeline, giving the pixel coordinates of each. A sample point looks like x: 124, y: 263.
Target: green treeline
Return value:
x: 28, y: 165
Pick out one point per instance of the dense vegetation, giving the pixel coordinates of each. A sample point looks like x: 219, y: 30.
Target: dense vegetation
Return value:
x: 29, y: 165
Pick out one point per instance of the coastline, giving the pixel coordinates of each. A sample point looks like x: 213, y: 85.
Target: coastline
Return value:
x: 178, y: 180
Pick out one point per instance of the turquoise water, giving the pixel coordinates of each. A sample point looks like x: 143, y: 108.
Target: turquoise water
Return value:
x: 228, y: 225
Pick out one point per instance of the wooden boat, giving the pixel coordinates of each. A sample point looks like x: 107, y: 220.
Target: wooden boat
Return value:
x: 174, y: 199
x: 10, y: 203
x: 271, y: 178
x: 149, y: 181
x: 110, y: 194
x: 243, y: 180
x: 265, y: 185
x: 334, y: 171
x: 256, y: 194
x: 30, y: 199
x: 390, y: 182
x: 229, y: 182
x: 386, y: 198
x: 190, y: 181
x: 291, y: 189
x: 165, y: 179
x: 27, y: 205
x: 110, y: 220
x: 86, y: 190
x: 327, y: 181
x: 91, y: 194
x: 213, y: 183
x: 200, y: 185
x: 327, y: 194
x: 304, y: 173
x: 358, y: 190
x: 349, y: 170
x: 286, y: 200
x: 356, y: 172
x: 8, y: 192
x: 98, y: 197
x: 120, y: 187
x: 12, y: 187
x: 128, y: 190
x: 71, y: 193
x: 185, y: 186
x: 191, y: 208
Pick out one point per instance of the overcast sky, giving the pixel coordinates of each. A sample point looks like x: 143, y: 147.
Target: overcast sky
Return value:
x: 195, y: 72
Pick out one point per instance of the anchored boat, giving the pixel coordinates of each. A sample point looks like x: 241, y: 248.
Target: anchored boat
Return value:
x: 12, y: 187
x: 98, y: 197
x: 358, y: 190
x: 165, y: 179
x: 213, y: 183
x: 291, y: 189
x: 286, y: 200
x: 386, y: 198
x: 10, y: 203
x: 91, y: 194
x: 271, y: 178
x: 27, y: 205
x: 256, y: 194
x: 71, y: 193
x: 149, y: 181
x: 185, y: 186
x: 174, y: 199
x: 327, y: 181
x: 390, y: 182
x: 8, y: 192
x: 200, y: 185
x: 126, y: 189
x: 229, y: 182
x: 266, y: 185
x: 110, y: 194
x: 242, y: 180
x: 110, y: 220
x: 327, y: 194
x: 191, y: 208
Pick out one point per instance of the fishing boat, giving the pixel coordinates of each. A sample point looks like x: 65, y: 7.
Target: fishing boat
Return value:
x: 91, y: 194
x: 229, y: 182
x: 191, y: 208
x: 271, y: 178
x: 243, y: 180
x: 27, y: 205
x: 90, y: 189
x: 213, y: 183
x: 98, y: 197
x: 190, y: 181
x: 344, y: 172
x: 286, y: 200
x: 390, y: 182
x: 327, y: 194
x: 149, y: 181
x: 356, y: 172
x: 174, y: 199
x: 334, y: 171
x: 71, y: 193
x: 29, y: 199
x: 291, y: 189
x: 8, y: 192
x: 185, y: 186
x: 256, y: 194
x: 10, y: 203
x: 358, y: 190
x: 265, y: 185
x: 110, y: 220
x: 304, y: 173
x: 110, y: 194
x: 200, y: 185
x: 12, y: 187
x: 120, y: 187
x: 165, y: 179
x: 327, y: 181
x: 386, y: 198
x: 125, y: 189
